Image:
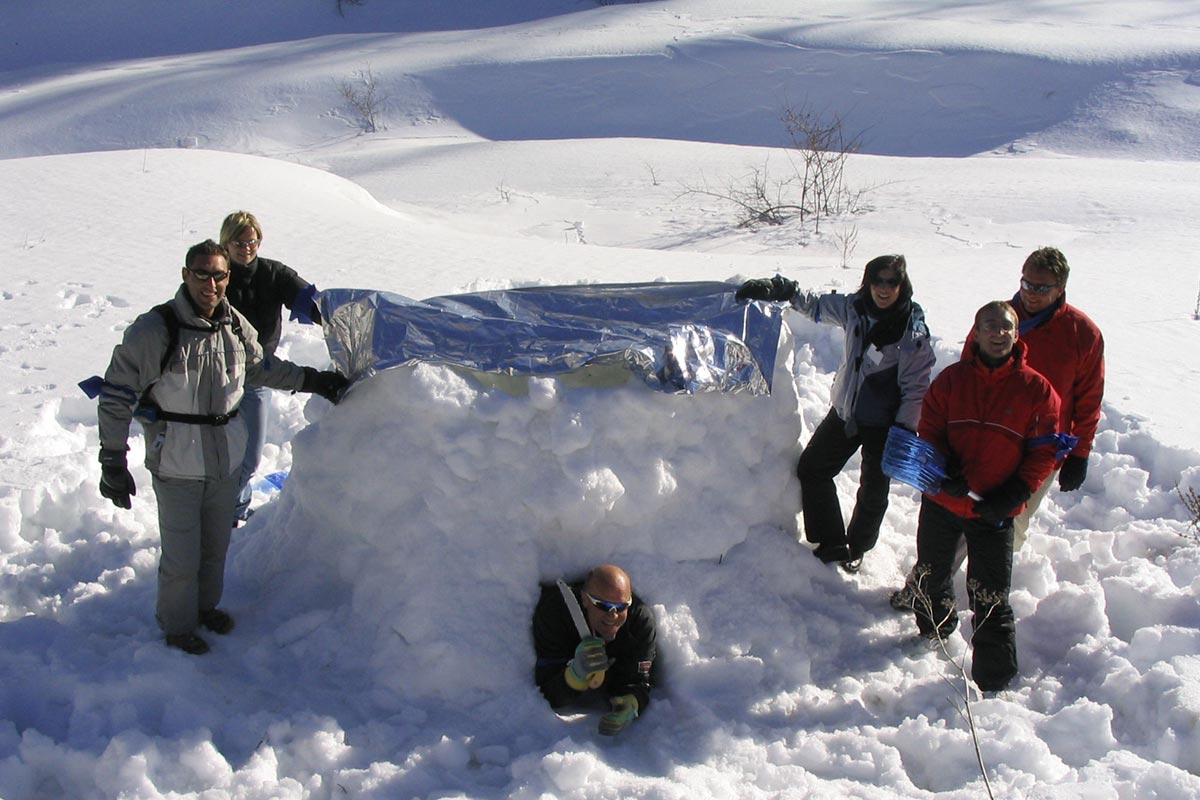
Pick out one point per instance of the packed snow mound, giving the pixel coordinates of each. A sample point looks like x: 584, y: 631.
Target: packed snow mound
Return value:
x: 433, y: 501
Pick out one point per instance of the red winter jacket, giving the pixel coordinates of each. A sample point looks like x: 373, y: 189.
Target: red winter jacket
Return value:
x: 983, y: 419
x: 1068, y: 350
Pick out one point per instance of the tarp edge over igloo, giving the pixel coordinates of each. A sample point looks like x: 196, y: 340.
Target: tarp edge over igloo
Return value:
x: 683, y: 337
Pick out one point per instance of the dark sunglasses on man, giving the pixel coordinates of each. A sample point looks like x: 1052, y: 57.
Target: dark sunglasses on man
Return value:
x: 605, y: 606
x: 204, y: 277
x: 1038, y: 288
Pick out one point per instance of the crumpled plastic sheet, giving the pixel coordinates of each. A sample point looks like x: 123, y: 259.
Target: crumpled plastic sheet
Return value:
x: 677, y: 337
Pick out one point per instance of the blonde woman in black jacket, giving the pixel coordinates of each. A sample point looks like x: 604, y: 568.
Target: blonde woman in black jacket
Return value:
x: 260, y: 288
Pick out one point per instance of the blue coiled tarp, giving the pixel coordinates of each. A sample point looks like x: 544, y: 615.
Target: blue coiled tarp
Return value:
x: 677, y: 337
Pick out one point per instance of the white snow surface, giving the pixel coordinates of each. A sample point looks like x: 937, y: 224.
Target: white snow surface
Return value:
x: 383, y: 646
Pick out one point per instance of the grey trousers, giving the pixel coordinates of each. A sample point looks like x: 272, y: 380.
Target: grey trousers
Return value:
x: 195, y: 518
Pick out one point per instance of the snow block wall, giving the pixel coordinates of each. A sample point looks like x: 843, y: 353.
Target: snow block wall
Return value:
x: 431, y: 504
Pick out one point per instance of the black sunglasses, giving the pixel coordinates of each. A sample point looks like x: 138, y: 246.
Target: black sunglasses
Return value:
x: 204, y: 277
x: 889, y: 282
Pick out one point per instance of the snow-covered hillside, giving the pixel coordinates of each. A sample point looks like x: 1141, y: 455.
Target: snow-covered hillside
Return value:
x: 383, y: 597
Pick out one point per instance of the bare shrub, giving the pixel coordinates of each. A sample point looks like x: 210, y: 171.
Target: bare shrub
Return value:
x: 759, y: 199
x: 365, y: 95
x: 814, y: 186
x: 847, y: 240
x: 823, y: 148
x: 1191, y: 501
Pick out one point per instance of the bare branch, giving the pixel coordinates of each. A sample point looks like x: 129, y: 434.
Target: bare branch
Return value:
x: 962, y: 686
x: 847, y: 239
x: 816, y: 188
x: 1191, y: 501
x: 366, y: 97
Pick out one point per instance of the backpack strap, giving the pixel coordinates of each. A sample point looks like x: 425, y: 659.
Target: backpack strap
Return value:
x: 173, y: 324
x: 235, y: 324
x: 167, y: 313
x: 147, y: 408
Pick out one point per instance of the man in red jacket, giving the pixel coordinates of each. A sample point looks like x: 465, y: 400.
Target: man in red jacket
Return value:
x: 993, y: 417
x: 1068, y: 349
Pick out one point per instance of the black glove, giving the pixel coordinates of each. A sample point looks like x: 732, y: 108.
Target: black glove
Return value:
x: 1000, y: 503
x: 329, y: 384
x: 777, y: 288
x: 1072, y: 473
x: 116, y: 483
x: 956, y: 487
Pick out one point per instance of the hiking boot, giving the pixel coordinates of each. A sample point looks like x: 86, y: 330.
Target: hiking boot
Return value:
x: 216, y: 621
x: 852, y: 565
x: 187, y: 642
x: 903, y: 599
x: 829, y: 553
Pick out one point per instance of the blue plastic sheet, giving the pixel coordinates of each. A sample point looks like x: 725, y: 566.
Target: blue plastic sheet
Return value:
x: 272, y: 482
x: 913, y: 460
x: 677, y: 337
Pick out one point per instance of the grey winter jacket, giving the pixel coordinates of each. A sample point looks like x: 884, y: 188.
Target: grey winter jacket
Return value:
x: 874, y: 387
x: 204, y: 376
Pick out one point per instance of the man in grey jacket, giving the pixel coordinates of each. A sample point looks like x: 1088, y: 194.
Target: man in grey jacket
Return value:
x: 182, y: 368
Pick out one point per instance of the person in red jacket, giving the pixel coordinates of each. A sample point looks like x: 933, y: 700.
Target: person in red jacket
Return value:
x: 994, y: 418
x: 1067, y: 348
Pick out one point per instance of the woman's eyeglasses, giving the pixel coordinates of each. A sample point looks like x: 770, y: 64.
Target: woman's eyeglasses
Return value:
x: 605, y: 606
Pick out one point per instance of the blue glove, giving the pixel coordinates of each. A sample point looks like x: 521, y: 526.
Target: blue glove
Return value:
x: 624, y: 711
x: 304, y: 308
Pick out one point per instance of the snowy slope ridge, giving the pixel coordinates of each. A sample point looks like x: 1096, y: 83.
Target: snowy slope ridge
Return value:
x: 913, y: 84
x: 383, y: 596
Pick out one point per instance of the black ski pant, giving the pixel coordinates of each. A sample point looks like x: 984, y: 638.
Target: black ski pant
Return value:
x: 823, y: 458
x: 989, y: 577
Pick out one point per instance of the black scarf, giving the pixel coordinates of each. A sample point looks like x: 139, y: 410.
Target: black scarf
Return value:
x: 887, y: 325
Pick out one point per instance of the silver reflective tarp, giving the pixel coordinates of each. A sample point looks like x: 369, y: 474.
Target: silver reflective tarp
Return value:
x: 677, y: 337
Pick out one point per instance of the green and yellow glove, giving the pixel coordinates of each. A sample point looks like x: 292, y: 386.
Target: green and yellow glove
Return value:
x: 625, y: 711
x: 586, y: 670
